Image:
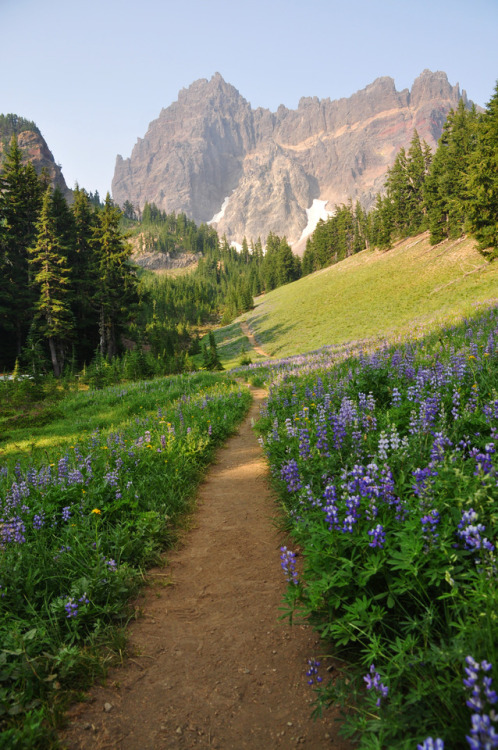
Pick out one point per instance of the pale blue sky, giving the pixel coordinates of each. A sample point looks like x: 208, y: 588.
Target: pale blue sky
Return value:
x: 93, y: 74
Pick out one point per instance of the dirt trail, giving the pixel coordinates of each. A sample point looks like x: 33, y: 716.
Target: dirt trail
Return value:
x: 252, y: 340
x: 213, y: 667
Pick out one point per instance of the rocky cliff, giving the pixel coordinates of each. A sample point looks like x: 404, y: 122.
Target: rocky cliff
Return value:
x: 33, y: 147
x: 250, y: 171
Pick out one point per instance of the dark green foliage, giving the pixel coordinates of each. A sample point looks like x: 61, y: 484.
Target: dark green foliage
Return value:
x: 342, y: 235
x: 116, y: 293
x: 482, y: 183
x: 403, y: 205
x: 14, y: 124
x: 210, y: 358
x: 20, y: 202
x: 50, y: 284
x: 445, y: 186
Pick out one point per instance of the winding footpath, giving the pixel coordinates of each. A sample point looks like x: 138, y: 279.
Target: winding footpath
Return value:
x: 252, y: 339
x: 212, y: 666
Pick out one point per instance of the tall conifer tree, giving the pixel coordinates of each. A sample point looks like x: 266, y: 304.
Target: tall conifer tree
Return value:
x: 50, y: 282
x: 483, y: 181
x: 20, y: 202
x: 116, y: 284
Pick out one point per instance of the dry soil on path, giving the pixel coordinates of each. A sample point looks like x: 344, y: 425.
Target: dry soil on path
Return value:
x: 212, y: 665
x: 252, y: 339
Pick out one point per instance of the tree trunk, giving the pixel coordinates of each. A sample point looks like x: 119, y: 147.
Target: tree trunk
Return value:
x: 53, y: 355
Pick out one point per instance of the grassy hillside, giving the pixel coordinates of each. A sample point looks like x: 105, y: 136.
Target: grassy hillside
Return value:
x: 373, y: 293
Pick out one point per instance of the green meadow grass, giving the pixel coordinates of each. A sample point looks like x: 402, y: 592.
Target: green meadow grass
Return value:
x: 77, y: 414
x: 409, y: 289
x: 230, y: 343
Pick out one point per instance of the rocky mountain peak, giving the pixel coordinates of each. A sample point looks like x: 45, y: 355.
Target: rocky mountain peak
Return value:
x: 212, y: 156
x: 429, y: 86
x: 34, y: 149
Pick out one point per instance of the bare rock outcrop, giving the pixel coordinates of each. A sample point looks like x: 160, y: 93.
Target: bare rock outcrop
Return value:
x: 35, y: 150
x: 212, y: 156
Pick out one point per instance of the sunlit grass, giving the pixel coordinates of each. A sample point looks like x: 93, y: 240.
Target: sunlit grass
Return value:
x: 411, y: 288
x: 231, y: 344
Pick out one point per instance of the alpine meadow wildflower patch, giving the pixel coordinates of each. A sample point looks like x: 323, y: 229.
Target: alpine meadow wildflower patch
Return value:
x: 386, y: 464
x: 78, y: 527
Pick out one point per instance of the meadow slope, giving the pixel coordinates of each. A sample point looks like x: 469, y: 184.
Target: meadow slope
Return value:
x: 410, y: 288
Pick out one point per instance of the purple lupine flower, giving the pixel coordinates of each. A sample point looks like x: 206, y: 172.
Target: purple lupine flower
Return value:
x: 312, y: 672
x: 71, y: 608
x: 111, y: 564
x: 289, y: 473
x: 321, y: 439
x: 12, y: 531
x: 373, y: 682
x: 383, y: 446
x: 112, y: 478
x: 483, y: 734
x: 289, y: 428
x: 62, y: 468
x: 75, y: 477
x: 66, y: 513
x: 475, y: 670
x: 430, y: 744
x: 429, y: 528
x: 304, y: 443
x: 396, y: 397
x: 483, y: 460
x: 470, y: 532
x: 288, y: 565
x: 438, y: 446
x: 330, y: 507
x: 378, y: 536
x: 39, y: 520
x: 423, y: 481
x: 456, y: 404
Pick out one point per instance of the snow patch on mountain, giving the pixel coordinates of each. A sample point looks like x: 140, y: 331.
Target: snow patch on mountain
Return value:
x: 315, y: 212
x: 221, y: 213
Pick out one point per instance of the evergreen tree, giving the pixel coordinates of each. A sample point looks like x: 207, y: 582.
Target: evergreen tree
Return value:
x: 483, y: 181
x: 20, y: 202
x: 284, y: 265
x: 445, y: 188
x: 82, y: 264
x: 417, y: 163
x: 50, y: 282
x: 116, y: 293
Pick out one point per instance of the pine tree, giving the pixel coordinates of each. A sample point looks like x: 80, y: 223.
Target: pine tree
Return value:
x: 50, y: 282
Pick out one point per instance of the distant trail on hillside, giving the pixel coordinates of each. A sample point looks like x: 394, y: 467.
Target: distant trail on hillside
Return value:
x: 247, y: 332
x: 212, y: 666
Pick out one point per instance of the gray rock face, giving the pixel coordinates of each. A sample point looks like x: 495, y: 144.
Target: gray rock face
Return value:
x: 211, y: 145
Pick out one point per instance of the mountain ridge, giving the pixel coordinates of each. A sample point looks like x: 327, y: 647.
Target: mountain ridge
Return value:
x: 211, y: 148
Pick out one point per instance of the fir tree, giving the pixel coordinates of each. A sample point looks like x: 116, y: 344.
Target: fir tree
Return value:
x: 20, y: 202
x: 116, y: 294
x: 50, y: 282
x: 483, y: 181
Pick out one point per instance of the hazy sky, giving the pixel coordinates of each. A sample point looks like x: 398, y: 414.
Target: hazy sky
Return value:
x: 93, y: 74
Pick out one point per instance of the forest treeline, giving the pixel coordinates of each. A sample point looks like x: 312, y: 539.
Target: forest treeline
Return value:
x: 448, y: 193
x: 71, y: 298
